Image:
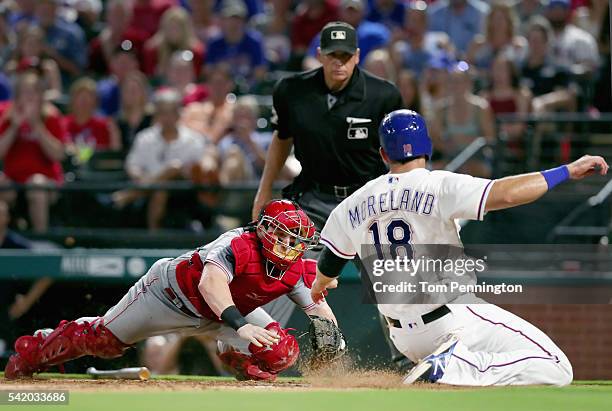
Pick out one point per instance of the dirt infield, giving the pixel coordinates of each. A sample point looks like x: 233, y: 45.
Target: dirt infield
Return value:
x: 341, y: 375
x: 322, y: 380
x: 150, y: 385
x: 360, y: 382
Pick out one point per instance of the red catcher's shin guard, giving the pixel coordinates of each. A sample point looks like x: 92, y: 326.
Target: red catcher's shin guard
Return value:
x: 243, y: 367
x: 70, y: 340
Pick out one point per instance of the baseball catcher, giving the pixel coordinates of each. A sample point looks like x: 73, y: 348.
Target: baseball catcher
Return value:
x: 216, y: 290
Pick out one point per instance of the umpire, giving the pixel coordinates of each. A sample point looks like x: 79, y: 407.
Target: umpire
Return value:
x: 331, y: 116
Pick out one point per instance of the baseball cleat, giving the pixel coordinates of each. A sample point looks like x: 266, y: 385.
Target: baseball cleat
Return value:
x: 432, y: 367
x: 24, y: 363
x: 17, y: 367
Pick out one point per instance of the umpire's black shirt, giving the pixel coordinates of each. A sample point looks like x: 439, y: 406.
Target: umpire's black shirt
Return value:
x: 337, y: 145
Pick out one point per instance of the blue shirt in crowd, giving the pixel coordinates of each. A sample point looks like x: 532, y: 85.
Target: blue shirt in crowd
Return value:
x: 253, y: 6
x: 69, y: 41
x: 262, y: 140
x: 393, y: 19
x: 243, y: 56
x: 462, y: 27
x: 5, y: 87
x: 17, y: 17
x: 109, y: 96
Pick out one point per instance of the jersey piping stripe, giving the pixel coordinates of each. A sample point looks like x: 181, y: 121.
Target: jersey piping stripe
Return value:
x: 504, y: 364
x: 309, y: 307
x: 334, y: 248
x: 133, y: 301
x: 227, y: 273
x: 513, y: 330
x: 485, y: 194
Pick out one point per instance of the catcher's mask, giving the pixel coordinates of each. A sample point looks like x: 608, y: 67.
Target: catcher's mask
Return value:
x: 285, y: 232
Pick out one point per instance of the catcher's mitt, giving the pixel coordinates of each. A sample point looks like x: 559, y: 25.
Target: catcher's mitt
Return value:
x: 327, y: 341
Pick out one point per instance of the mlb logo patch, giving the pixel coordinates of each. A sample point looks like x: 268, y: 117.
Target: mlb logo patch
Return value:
x: 338, y: 35
x: 357, y: 133
x: 407, y: 150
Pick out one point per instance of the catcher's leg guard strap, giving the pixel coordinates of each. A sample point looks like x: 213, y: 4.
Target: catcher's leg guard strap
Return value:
x: 103, y: 343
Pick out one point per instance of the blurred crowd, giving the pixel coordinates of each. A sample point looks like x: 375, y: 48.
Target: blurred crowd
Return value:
x: 180, y: 88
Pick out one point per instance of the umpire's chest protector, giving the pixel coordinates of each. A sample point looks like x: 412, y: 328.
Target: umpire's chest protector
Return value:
x: 251, y: 287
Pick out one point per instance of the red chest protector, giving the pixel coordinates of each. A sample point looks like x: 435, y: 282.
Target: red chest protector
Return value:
x: 251, y: 287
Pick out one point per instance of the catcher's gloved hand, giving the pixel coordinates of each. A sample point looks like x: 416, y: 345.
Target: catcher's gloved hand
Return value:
x: 327, y: 341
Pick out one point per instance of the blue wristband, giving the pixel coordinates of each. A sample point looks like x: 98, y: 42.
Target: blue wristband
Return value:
x: 555, y: 176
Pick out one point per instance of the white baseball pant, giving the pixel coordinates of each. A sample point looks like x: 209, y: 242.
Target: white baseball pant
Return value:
x: 495, y: 347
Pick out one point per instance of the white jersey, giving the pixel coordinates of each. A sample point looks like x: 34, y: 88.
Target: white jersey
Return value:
x: 417, y: 207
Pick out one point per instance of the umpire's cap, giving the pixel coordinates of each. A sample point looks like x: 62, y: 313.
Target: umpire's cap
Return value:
x: 403, y: 135
x: 338, y: 36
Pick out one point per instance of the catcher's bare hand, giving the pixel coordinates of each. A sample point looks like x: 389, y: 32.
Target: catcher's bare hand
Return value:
x: 257, y: 335
x: 319, y: 290
x: 586, y: 166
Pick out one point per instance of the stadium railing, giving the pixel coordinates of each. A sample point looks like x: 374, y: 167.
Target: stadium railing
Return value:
x: 559, y: 138
x: 550, y: 139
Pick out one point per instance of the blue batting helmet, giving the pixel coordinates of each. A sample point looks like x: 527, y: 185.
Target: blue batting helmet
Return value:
x: 403, y: 134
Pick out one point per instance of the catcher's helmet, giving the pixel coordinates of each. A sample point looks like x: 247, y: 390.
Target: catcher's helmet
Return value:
x: 403, y: 135
x: 285, y: 232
